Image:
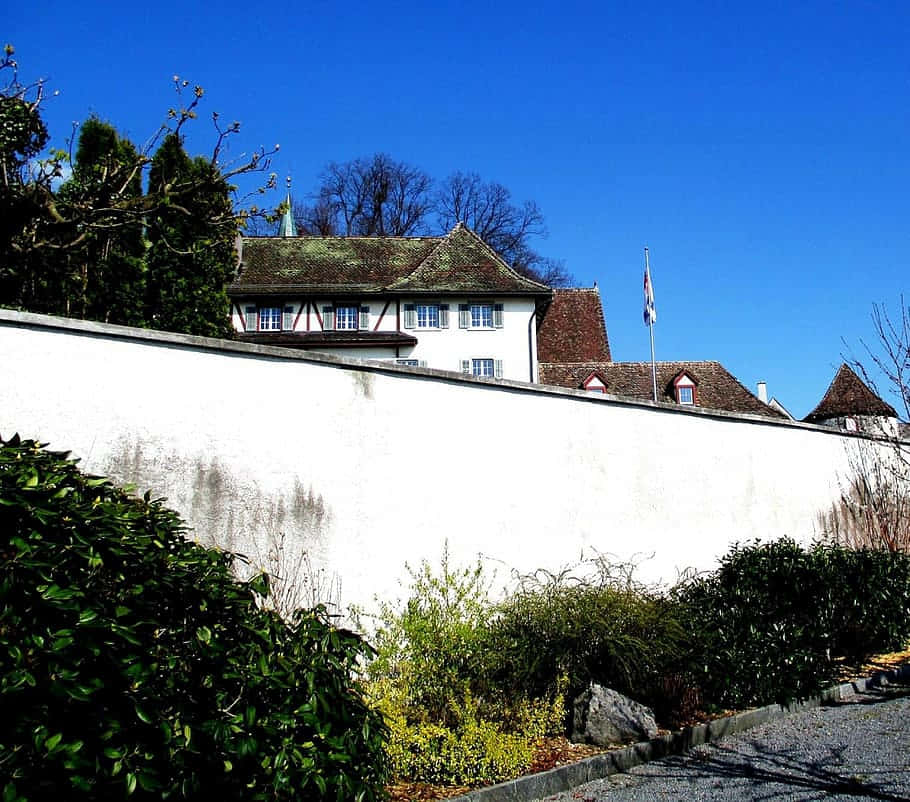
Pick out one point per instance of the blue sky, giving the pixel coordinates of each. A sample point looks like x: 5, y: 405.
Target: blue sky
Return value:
x: 758, y: 149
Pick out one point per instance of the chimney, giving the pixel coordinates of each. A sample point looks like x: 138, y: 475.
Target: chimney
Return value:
x: 763, y: 392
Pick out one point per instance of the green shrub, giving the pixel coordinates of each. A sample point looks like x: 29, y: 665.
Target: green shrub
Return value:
x: 133, y: 664
x: 471, y: 750
x: 867, y: 592
x: 433, y: 644
x: 767, y: 624
x: 759, y: 629
x: 607, y: 630
x: 430, y: 680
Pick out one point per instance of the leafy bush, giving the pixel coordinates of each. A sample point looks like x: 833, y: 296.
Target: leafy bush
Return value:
x: 470, y: 751
x: 433, y: 645
x: 133, y: 664
x: 608, y: 630
x: 759, y: 632
x: 430, y: 679
x: 868, y: 595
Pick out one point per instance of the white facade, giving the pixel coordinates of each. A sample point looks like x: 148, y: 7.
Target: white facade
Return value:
x: 453, y: 332
x: 369, y: 467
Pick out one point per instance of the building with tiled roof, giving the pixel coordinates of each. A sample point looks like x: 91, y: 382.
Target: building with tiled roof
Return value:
x: 443, y: 302
x: 850, y: 404
x: 574, y: 352
x: 573, y: 330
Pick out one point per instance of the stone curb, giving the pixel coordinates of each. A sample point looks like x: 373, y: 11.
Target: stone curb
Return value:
x: 564, y: 778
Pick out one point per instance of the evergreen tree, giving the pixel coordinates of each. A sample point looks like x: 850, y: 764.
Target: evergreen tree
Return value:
x: 189, y: 260
x: 105, y: 269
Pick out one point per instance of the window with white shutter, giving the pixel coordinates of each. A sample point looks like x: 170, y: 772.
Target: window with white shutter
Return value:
x: 443, y: 316
x: 328, y: 318
x: 466, y: 366
x: 364, y: 318
x: 287, y: 320
x: 497, y: 316
x: 250, y: 318
x: 270, y: 318
x: 497, y: 368
x: 410, y: 316
x: 464, y: 316
x: 347, y: 318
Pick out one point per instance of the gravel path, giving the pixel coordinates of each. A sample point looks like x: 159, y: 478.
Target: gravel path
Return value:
x: 857, y: 749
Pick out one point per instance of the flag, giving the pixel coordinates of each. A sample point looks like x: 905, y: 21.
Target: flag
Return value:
x: 650, y: 311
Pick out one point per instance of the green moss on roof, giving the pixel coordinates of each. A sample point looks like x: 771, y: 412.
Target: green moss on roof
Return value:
x: 458, y: 262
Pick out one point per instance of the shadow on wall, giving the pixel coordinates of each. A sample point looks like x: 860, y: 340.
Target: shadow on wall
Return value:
x: 285, y: 532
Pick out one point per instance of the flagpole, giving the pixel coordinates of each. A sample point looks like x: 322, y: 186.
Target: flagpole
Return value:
x: 651, y: 330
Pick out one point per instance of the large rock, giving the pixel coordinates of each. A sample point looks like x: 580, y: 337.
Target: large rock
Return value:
x: 603, y: 717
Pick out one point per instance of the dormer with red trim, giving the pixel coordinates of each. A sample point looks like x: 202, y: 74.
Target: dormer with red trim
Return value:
x: 685, y: 389
x: 594, y: 383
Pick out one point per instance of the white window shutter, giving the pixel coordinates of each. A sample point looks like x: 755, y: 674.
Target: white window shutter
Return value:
x: 497, y: 368
x: 443, y: 316
x: 250, y: 318
x: 364, y: 323
x: 410, y: 316
x: 464, y: 316
x: 328, y: 318
x: 497, y: 316
x: 287, y: 319
x: 466, y: 366
x: 421, y: 363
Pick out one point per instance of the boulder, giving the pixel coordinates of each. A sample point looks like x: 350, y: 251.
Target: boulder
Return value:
x: 603, y: 717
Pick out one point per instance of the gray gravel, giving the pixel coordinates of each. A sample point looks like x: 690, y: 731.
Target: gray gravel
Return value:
x: 856, y: 749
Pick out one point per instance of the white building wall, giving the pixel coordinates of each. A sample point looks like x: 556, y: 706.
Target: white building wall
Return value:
x: 367, y: 467
x: 515, y: 344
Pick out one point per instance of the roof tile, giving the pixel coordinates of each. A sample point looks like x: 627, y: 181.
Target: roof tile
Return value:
x: 848, y: 394
x: 717, y: 387
x: 458, y: 262
x: 573, y: 328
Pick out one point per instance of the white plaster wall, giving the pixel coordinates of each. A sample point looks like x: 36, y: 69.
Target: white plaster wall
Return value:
x: 441, y: 348
x: 382, y: 466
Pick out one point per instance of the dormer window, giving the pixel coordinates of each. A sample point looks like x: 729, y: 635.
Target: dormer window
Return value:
x: 594, y: 384
x: 684, y: 388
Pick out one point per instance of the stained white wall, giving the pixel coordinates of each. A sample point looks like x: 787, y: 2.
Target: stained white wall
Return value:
x: 380, y: 465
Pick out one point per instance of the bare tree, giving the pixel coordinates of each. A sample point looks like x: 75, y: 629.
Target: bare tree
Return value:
x: 487, y: 208
x: 890, y: 353
x: 374, y: 196
x: 317, y: 219
x: 378, y: 196
x: 874, y: 508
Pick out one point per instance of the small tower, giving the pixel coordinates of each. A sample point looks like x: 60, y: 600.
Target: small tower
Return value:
x: 287, y: 228
x: 850, y: 404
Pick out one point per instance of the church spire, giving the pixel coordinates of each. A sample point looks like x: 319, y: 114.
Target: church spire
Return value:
x: 287, y: 228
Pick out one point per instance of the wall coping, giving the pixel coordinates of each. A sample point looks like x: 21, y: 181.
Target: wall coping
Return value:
x: 12, y: 318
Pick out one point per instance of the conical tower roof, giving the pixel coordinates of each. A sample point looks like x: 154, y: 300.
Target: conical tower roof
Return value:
x: 286, y: 227
x: 849, y: 395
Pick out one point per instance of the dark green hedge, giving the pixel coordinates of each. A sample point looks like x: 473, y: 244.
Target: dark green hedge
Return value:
x: 770, y: 624
x: 133, y: 664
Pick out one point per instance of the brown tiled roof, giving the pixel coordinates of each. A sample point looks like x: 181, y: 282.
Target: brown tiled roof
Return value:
x: 458, y: 262
x: 717, y: 388
x: 848, y: 394
x: 333, y: 339
x: 572, y: 329
x: 463, y: 262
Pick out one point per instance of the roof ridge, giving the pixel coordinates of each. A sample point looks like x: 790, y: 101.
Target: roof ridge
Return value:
x: 443, y: 242
x: 348, y: 236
